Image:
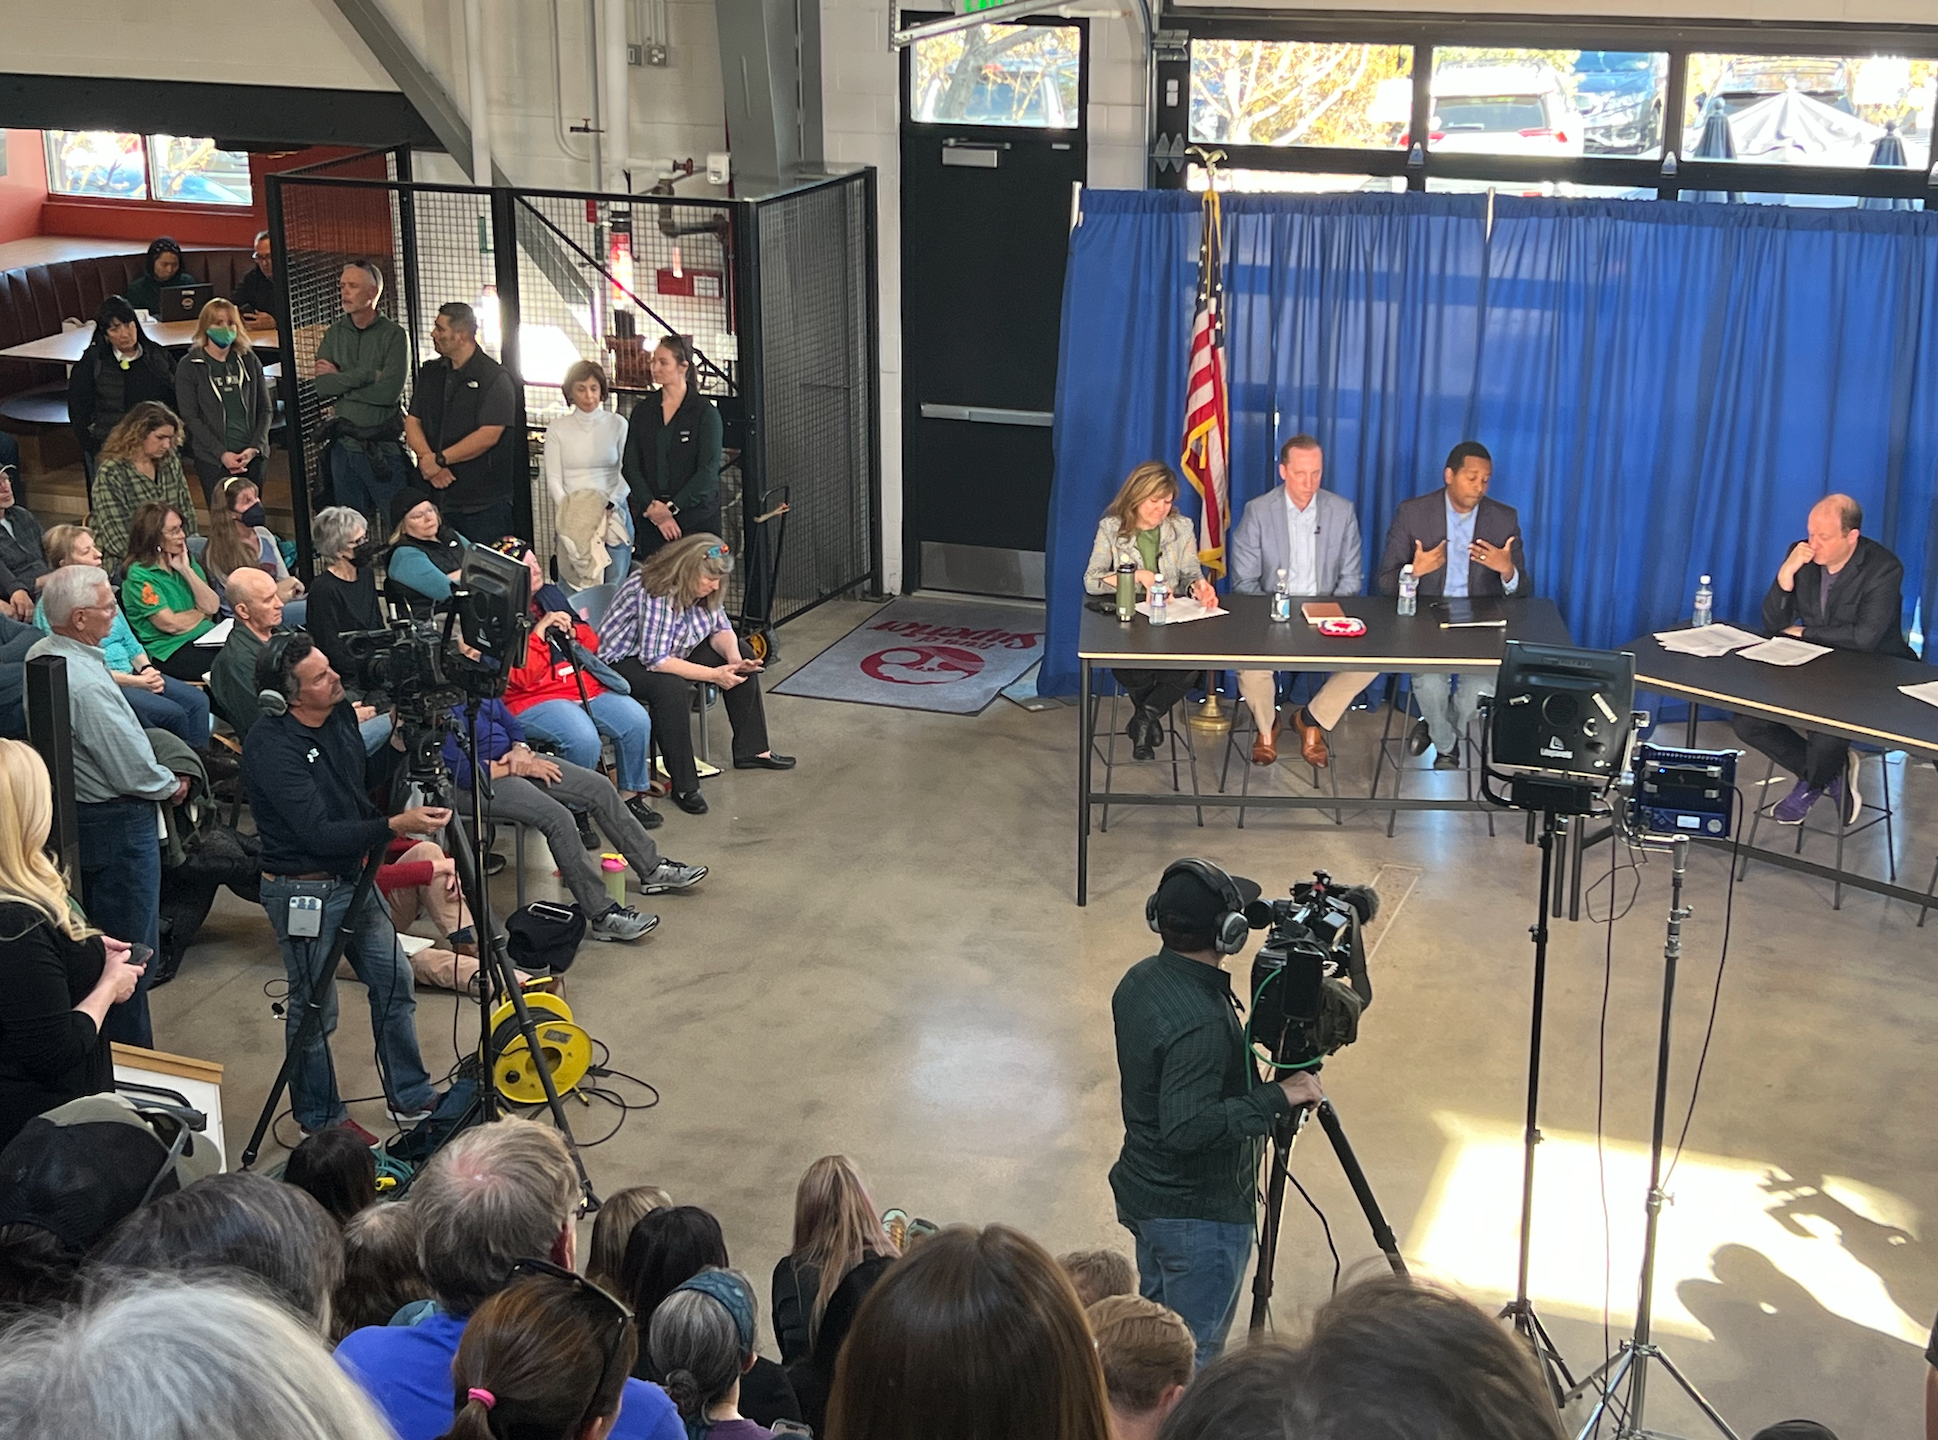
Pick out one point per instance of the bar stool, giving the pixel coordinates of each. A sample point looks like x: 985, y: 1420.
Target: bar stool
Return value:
x: 1843, y: 830
x: 1244, y: 723
x: 1390, y: 747
x: 1174, y: 730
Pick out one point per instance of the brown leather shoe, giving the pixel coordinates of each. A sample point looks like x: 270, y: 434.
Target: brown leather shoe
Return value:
x: 1312, y: 739
x: 1265, y: 747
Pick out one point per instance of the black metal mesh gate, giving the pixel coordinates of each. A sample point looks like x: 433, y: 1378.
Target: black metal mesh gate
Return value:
x: 775, y: 293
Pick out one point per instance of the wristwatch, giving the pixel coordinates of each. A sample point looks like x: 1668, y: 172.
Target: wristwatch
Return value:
x: 442, y: 463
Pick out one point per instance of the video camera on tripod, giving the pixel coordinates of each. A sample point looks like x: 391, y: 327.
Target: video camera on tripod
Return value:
x: 1309, y: 981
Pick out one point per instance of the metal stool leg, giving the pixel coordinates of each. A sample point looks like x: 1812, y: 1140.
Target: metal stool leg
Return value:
x: 1756, y: 818
x: 1930, y: 890
x: 1110, y: 760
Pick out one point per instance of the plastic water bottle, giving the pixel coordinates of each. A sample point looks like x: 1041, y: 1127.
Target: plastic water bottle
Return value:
x: 1160, y: 598
x: 1281, y: 600
x: 1409, y: 590
x: 1705, y: 611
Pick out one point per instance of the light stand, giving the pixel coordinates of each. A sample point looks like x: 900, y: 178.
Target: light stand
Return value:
x: 1631, y: 1362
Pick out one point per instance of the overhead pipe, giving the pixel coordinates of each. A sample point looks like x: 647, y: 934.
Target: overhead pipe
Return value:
x: 615, y: 90
x: 479, y: 105
x: 559, y: 131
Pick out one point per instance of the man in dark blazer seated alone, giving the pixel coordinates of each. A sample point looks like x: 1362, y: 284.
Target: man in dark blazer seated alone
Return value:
x: 1459, y: 543
x: 1842, y: 589
x: 1310, y: 537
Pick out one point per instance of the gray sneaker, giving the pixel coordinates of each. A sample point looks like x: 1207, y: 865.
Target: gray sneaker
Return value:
x: 622, y: 922
x: 671, y: 875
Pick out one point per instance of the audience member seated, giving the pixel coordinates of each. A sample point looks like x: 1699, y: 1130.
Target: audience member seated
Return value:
x: 665, y: 633
x: 703, y: 1337
x: 23, y: 564
x: 943, y: 1345
x: 566, y: 694
x: 117, y: 783
x: 839, y: 1252
x: 1386, y: 1357
x: 237, y: 1224
x: 166, y: 596
x: 543, y: 1359
x: 343, y: 597
x: 1148, y: 1356
x: 362, y: 363
x: 140, y: 465
x: 1143, y: 529
x: 164, y: 269
x: 160, y: 702
x: 16, y: 642
x: 156, y: 1358
x: 667, y: 1248
x: 529, y: 789
x: 73, y: 1174
x: 1099, y: 1274
x: 337, y: 1171
x: 121, y: 368
x: 583, y: 448
x: 257, y: 602
x: 613, y: 1227
x: 425, y: 555
x: 246, y: 542
x: 420, y: 879
x: 223, y: 398
x: 58, y: 977
x: 495, y: 1195
x: 255, y: 293
x: 381, y: 1271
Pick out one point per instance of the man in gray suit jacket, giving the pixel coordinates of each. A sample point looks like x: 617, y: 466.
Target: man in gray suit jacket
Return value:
x: 1311, y: 537
x: 1459, y: 543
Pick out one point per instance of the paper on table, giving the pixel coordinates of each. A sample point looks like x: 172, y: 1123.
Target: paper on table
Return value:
x: 1927, y: 692
x: 216, y: 636
x: 1785, y: 650
x: 1182, y: 608
x: 1706, y: 640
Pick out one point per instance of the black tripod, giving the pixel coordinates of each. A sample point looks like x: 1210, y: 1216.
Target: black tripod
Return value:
x: 1285, y: 1134
x: 1520, y: 1310
x: 1631, y: 1362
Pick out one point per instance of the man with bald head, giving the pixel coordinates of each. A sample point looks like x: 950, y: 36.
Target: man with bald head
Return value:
x: 251, y: 593
x: 1838, y: 587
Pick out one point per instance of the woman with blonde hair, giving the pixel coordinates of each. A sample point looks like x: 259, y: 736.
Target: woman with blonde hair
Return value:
x: 840, y: 1250
x: 665, y: 633
x: 1142, y: 528
x: 58, y: 977
x: 223, y: 396
x: 140, y: 464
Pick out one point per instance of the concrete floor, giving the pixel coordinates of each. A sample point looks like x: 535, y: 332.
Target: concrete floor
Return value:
x: 887, y: 962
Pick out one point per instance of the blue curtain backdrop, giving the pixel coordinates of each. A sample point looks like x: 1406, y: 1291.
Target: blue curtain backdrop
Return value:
x: 1666, y: 387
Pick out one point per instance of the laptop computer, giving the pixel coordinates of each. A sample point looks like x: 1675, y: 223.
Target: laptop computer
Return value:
x: 184, y: 302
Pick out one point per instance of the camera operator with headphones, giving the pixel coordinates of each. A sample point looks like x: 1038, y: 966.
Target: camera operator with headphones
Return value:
x: 1194, y: 1114
x: 309, y: 785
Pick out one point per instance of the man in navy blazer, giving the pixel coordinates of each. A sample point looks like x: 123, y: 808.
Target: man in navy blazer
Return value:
x: 1459, y: 543
x: 1838, y: 588
x: 1311, y: 537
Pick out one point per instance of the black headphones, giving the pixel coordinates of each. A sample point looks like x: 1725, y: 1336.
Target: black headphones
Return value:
x: 275, y: 685
x: 1229, y: 936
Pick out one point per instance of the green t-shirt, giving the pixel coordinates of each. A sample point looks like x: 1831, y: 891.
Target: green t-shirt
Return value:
x: 1147, y: 543
x: 229, y: 378
x: 149, y: 588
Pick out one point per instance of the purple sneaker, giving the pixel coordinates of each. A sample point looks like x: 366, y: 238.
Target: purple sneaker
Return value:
x: 1791, y: 809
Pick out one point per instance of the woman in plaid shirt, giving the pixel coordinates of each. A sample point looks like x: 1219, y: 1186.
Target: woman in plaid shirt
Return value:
x: 666, y: 633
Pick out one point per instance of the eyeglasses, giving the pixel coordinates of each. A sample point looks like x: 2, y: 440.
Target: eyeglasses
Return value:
x: 620, y: 1309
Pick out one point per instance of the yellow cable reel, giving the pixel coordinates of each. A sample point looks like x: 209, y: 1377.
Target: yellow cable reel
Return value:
x: 564, y: 1048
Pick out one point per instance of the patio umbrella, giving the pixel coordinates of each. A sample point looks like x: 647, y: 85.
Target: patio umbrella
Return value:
x: 1716, y: 144
x: 1889, y: 150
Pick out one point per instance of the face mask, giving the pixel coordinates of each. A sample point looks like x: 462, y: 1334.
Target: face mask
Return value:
x: 363, y: 552
x: 222, y: 335
x: 254, y: 516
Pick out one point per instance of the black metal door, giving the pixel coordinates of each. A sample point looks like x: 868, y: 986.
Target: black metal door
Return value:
x: 992, y: 150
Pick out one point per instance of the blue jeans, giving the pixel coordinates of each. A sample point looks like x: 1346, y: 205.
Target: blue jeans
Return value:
x: 295, y: 612
x: 567, y: 726
x: 179, y: 708
x: 1196, y: 1268
x: 376, y: 732
x: 121, y: 891
x: 1449, y: 710
x: 378, y: 960
x: 359, y: 487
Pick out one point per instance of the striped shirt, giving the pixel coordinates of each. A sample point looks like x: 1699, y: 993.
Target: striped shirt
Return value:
x: 651, y: 628
x: 1192, y: 1110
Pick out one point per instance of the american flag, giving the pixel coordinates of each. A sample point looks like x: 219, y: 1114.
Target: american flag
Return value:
x: 1207, y: 412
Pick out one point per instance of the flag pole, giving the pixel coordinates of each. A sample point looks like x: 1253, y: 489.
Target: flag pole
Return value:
x: 1211, y: 719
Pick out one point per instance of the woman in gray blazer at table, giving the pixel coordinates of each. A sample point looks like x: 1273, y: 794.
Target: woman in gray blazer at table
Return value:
x: 1142, y: 527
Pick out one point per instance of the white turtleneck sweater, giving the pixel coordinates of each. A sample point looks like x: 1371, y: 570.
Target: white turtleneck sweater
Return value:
x: 582, y: 452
